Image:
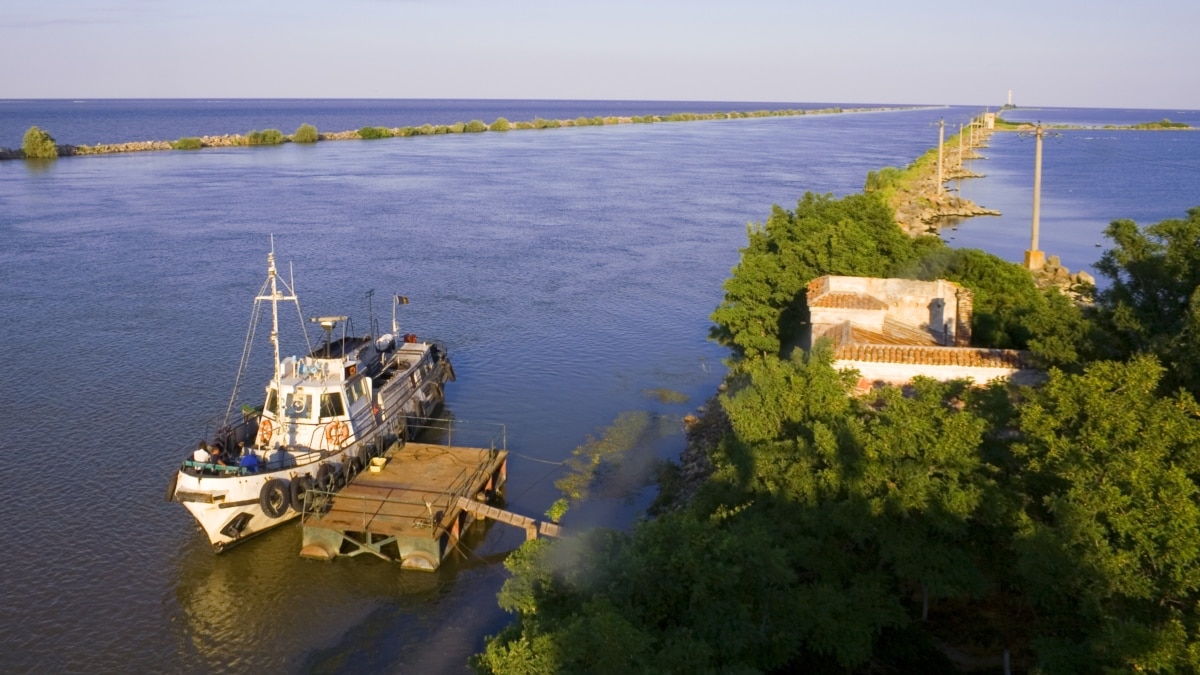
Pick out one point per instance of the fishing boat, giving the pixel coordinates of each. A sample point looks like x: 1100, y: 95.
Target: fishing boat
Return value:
x: 324, y: 416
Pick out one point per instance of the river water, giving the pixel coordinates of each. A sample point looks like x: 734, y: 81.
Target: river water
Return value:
x: 569, y: 271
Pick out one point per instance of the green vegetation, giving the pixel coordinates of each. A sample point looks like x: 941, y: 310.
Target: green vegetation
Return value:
x: 375, y: 132
x: 38, y: 144
x: 878, y: 533
x: 500, y: 124
x: 264, y: 137
x: 1164, y: 123
x: 306, y: 133
x: 188, y: 143
x: 475, y: 127
x: 1005, y: 125
x: 1152, y: 303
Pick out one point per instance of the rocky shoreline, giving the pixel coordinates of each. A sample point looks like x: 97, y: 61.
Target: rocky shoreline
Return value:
x: 922, y: 205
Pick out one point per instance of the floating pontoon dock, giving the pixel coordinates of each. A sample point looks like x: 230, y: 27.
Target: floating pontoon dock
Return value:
x: 414, y: 508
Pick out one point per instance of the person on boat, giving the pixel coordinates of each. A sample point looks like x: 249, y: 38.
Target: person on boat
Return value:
x: 202, y: 455
x: 218, y: 453
x: 249, y: 460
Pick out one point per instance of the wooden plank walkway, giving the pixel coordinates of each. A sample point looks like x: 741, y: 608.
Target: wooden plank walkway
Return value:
x: 532, y: 527
x: 415, y: 495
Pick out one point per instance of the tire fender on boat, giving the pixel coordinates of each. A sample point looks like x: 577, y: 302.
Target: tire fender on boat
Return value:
x: 274, y: 498
x: 354, y: 466
x: 329, y: 478
x: 300, y: 485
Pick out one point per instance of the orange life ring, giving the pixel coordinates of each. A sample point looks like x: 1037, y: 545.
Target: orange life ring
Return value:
x: 337, y: 433
x: 265, y: 430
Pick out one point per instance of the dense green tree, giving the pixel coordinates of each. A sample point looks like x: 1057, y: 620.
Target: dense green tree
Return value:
x: 1110, y: 554
x: 38, y: 144
x: 1152, y: 302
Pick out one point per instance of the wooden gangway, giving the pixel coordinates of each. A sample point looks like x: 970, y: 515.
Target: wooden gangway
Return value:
x: 532, y: 527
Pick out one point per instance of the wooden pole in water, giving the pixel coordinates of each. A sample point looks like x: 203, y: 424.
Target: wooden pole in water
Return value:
x: 1035, y: 259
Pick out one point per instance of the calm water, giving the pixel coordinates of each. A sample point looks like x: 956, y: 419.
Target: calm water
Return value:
x: 568, y: 271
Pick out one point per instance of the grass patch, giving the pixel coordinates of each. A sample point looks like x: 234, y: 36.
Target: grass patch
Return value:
x: 306, y: 133
x: 375, y: 132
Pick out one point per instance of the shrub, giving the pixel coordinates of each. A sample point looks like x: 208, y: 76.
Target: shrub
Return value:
x: 306, y: 133
x: 405, y: 132
x: 188, y: 143
x: 475, y: 126
x: 39, y: 145
x: 375, y: 132
x: 265, y: 137
x: 582, y: 121
x: 524, y: 125
x: 456, y: 128
x: 500, y: 124
x: 426, y: 130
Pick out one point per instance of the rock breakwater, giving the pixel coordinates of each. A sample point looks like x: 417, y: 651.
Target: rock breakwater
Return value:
x: 231, y: 140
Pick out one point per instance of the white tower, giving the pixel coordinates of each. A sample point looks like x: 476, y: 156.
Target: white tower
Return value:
x: 1010, y: 98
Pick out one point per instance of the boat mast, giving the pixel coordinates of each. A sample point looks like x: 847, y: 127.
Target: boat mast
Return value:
x: 275, y: 297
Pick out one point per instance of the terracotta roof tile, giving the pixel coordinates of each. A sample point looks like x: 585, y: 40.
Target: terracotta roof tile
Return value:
x: 844, y: 300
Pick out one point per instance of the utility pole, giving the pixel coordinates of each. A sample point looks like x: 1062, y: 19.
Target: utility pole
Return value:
x: 960, y: 139
x: 1035, y: 259
x: 941, y: 141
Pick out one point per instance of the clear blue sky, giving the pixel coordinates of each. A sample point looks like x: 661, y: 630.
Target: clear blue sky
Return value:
x: 1050, y: 53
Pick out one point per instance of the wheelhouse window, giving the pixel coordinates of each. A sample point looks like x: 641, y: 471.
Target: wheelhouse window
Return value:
x: 272, y: 405
x: 298, y: 406
x: 356, y: 390
x: 331, y: 405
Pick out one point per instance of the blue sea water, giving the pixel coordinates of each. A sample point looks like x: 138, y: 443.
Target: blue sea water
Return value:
x: 570, y: 272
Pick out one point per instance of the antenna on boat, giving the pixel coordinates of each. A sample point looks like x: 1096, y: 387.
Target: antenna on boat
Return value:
x: 398, y: 300
x: 371, y: 312
x: 327, y: 324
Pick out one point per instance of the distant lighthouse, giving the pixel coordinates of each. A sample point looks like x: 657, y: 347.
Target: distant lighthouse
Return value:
x: 1010, y: 98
